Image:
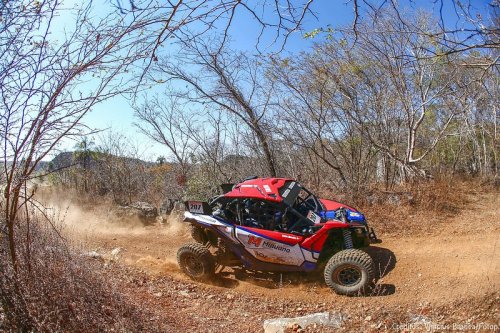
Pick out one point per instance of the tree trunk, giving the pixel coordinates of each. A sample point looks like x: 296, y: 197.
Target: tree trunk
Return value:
x: 267, y: 150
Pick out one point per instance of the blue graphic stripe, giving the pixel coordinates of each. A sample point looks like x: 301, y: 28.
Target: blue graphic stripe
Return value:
x: 303, y: 248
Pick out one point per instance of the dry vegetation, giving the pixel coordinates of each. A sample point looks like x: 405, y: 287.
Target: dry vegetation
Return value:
x: 396, y: 114
x: 57, y: 287
x: 141, y: 289
x: 421, y: 208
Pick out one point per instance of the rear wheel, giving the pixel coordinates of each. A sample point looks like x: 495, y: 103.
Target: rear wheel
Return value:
x: 349, y: 272
x: 196, y: 261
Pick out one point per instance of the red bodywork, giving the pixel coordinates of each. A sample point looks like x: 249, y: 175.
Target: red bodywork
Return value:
x: 334, y: 205
x: 313, y: 243
x: 268, y: 189
x: 260, y: 188
x: 278, y: 236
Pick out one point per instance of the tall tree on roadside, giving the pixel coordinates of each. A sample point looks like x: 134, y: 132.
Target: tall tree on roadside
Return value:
x: 394, y: 92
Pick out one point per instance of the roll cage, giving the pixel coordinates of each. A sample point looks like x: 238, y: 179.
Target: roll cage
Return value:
x: 295, y: 213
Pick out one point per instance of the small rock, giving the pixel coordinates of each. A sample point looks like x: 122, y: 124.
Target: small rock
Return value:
x: 184, y: 293
x: 420, y: 320
x: 278, y: 325
x: 210, y: 296
x: 159, y: 294
x: 116, y: 252
x: 368, y: 318
x: 94, y: 255
x: 230, y: 296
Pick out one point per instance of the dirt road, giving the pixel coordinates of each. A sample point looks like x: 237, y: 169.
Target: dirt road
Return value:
x: 457, y: 263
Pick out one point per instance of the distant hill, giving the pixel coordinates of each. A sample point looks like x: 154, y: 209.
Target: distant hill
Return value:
x: 43, y: 165
x: 61, y: 160
x: 70, y: 158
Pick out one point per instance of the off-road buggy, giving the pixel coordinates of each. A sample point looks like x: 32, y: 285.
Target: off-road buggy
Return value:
x: 277, y: 225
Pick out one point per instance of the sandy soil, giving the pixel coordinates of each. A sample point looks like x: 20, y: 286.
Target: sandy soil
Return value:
x: 450, y: 274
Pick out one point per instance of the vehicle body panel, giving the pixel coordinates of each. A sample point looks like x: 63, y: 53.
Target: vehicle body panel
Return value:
x: 277, y: 250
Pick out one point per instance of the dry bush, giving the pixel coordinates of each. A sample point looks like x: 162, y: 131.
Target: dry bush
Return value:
x: 55, y: 289
x: 446, y: 196
x: 418, y: 208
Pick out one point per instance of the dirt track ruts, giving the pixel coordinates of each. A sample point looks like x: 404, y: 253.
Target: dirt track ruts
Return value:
x: 457, y: 262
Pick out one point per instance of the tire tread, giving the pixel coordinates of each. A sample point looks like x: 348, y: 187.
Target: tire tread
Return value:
x: 351, y: 255
x: 202, y: 252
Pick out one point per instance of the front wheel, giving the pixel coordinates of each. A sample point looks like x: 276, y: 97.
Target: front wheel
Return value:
x: 349, y: 272
x: 196, y: 261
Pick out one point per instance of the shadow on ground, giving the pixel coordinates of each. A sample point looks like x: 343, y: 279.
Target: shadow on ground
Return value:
x: 384, y: 260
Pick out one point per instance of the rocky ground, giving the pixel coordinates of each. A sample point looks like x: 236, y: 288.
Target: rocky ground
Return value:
x: 443, y: 279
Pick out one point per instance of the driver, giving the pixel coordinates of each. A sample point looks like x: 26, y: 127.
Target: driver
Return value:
x: 261, y: 215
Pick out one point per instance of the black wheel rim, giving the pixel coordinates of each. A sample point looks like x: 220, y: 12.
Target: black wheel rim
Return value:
x: 348, y: 275
x: 192, y: 265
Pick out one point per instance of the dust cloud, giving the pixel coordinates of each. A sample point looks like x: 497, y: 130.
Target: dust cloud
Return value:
x: 84, y: 221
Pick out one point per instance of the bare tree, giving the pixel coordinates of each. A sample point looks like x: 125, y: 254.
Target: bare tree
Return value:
x: 165, y: 122
x: 233, y: 83
x: 471, y: 26
x: 48, y: 85
x: 310, y: 120
x: 208, y: 133
x: 275, y: 20
x: 390, y: 98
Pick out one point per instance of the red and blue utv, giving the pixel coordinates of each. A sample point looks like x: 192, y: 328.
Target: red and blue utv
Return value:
x: 277, y: 225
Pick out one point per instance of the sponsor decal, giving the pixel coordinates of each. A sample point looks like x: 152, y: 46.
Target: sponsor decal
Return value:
x: 273, y: 259
x: 267, y: 188
x: 261, y: 255
x: 253, y: 240
x: 275, y: 246
x: 287, y: 191
x: 290, y: 237
x: 311, y: 216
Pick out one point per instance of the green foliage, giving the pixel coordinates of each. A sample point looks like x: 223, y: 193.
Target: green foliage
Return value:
x: 328, y: 31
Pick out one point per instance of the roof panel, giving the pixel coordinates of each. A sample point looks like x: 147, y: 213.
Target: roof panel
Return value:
x: 259, y: 188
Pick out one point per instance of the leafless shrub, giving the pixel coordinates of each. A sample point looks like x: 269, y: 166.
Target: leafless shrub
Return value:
x: 57, y: 289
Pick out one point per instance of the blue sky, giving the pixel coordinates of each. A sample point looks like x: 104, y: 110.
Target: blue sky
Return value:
x: 117, y: 114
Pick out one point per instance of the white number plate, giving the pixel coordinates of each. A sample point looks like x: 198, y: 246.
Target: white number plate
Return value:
x: 313, y: 217
x: 195, y: 207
